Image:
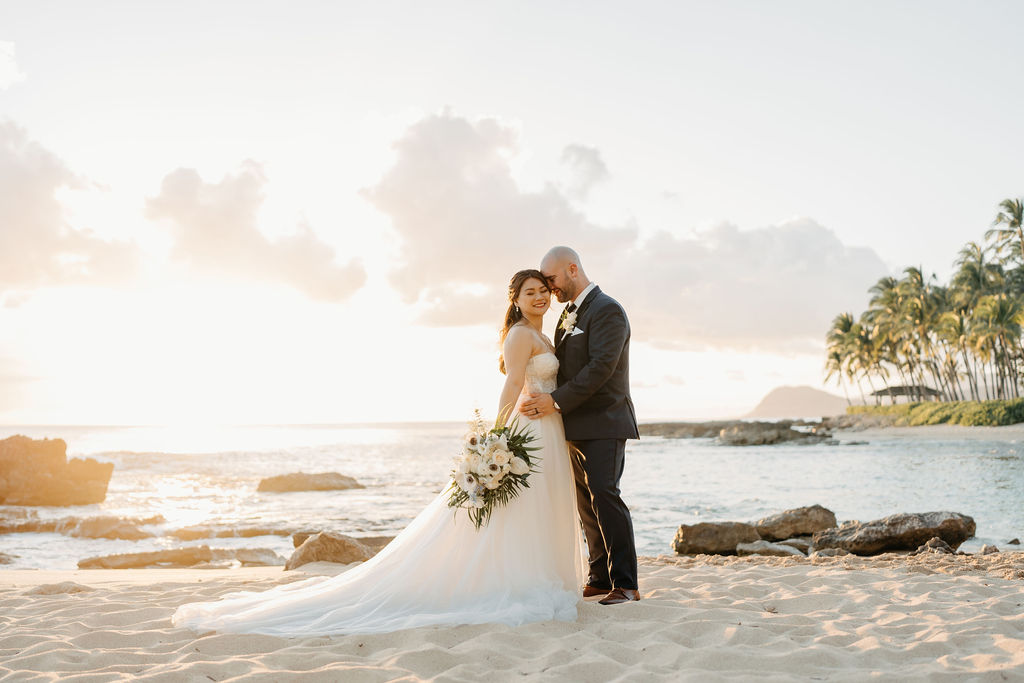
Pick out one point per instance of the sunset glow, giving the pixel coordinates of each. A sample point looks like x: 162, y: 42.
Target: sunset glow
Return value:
x: 228, y: 213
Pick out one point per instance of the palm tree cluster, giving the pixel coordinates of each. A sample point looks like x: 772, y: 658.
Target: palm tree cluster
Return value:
x: 955, y: 342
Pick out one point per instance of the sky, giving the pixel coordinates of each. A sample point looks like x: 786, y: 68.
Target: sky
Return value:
x: 308, y: 212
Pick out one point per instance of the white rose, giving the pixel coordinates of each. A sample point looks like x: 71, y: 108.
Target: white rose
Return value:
x: 519, y: 466
x: 502, y: 457
x: 569, y: 322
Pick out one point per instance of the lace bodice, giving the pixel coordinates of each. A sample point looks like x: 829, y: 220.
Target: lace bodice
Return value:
x: 541, y: 374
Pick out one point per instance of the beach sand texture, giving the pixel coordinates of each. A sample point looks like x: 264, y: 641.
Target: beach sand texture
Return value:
x: 702, y: 619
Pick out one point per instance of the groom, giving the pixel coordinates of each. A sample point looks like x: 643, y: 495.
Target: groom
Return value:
x: 592, y: 345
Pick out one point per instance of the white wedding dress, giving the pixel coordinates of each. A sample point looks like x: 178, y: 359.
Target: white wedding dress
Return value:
x: 525, y: 565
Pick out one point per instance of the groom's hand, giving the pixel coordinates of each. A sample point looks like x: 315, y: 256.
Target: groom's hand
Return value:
x: 538, y: 406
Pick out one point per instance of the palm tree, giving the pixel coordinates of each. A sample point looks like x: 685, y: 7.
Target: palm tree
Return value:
x: 975, y: 276
x: 837, y: 342
x: 1009, y: 239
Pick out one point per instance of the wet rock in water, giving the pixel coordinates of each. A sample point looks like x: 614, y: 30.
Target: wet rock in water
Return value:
x: 904, y: 531
x: 767, y: 548
x: 325, y: 547
x: 767, y: 434
x: 303, y: 481
x: 796, y: 522
x: 171, y: 557
x: 193, y: 533
x: 38, y: 472
x: 830, y: 552
x: 685, y: 430
x: 64, y: 587
x: 713, y: 538
x: 106, y: 527
x: 987, y: 549
x: 22, y: 521
x: 1013, y: 541
x: 7, y: 559
x: 934, y: 545
x: 801, y: 543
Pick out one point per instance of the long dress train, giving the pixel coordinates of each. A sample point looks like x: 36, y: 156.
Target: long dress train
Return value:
x: 525, y: 565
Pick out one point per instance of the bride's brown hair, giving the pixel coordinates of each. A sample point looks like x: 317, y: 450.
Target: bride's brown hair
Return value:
x: 513, y: 314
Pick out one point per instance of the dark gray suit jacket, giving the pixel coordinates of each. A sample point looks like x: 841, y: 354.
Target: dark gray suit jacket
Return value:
x: 593, y: 372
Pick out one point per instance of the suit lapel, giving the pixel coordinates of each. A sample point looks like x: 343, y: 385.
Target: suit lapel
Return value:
x: 560, y: 334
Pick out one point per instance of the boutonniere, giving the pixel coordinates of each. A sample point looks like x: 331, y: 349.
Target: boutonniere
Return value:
x: 569, y: 322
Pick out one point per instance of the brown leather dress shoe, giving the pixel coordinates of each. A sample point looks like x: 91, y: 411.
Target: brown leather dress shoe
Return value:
x: 591, y: 591
x: 620, y: 595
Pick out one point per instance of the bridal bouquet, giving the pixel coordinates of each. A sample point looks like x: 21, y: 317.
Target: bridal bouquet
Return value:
x: 494, y: 466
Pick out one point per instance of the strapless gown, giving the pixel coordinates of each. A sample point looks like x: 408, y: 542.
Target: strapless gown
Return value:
x: 526, y: 565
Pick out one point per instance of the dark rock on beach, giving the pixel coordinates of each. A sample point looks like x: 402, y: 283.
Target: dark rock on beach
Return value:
x: 1013, y: 541
x: 905, y: 531
x: 796, y: 522
x: 38, y: 472
x: 934, y: 545
x: 7, y: 559
x: 713, y: 538
x: 302, y: 481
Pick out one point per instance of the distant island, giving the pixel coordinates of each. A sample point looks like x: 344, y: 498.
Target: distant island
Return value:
x: 798, y: 402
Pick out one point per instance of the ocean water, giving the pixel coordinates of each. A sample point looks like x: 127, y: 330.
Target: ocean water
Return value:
x: 209, y: 476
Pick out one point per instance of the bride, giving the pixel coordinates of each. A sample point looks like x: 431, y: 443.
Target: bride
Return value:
x: 525, y: 565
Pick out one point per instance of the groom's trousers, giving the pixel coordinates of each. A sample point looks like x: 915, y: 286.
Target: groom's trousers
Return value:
x: 597, y: 468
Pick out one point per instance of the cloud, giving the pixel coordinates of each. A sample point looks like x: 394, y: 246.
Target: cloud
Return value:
x: 37, y: 245
x: 9, y: 72
x: 587, y: 167
x: 775, y: 287
x: 215, y: 227
x: 466, y: 225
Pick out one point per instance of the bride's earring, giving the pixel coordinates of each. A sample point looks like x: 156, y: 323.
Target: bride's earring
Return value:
x: 517, y: 309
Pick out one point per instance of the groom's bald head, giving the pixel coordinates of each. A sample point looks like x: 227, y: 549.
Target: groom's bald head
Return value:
x: 562, y: 267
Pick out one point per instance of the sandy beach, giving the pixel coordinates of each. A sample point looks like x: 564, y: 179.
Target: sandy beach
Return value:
x: 704, y: 618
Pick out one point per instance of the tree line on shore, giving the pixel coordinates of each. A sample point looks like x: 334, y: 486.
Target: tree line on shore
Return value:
x: 925, y: 340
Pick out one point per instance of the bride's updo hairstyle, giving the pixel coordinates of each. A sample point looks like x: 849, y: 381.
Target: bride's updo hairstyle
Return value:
x: 513, y: 314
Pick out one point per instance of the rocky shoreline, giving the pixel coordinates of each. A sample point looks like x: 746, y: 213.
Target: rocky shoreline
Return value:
x: 814, y: 532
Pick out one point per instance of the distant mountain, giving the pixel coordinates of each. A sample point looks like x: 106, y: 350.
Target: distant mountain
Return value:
x: 794, y: 402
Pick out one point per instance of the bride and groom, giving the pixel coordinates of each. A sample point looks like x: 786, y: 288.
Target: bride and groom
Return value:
x: 527, y: 563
